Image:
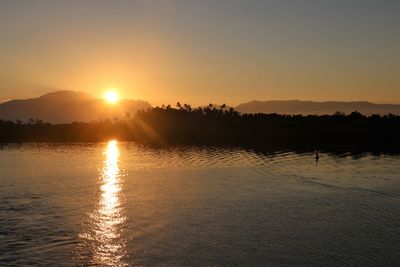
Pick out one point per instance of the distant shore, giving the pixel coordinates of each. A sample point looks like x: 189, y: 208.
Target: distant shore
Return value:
x: 220, y: 126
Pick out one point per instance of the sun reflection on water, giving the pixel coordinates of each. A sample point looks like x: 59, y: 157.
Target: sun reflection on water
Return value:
x: 104, y: 234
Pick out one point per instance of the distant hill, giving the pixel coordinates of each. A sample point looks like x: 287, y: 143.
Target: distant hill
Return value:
x: 68, y: 106
x: 318, y: 108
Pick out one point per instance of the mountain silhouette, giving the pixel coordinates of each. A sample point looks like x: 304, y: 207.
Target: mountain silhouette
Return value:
x: 316, y: 108
x: 68, y: 106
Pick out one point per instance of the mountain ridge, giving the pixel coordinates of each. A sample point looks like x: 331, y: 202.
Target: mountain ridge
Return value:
x: 316, y: 107
x: 66, y: 107
x: 69, y: 106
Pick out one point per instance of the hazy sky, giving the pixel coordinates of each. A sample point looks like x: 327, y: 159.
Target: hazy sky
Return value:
x: 202, y: 51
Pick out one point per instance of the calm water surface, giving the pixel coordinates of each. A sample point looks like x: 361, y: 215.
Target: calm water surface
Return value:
x: 126, y: 204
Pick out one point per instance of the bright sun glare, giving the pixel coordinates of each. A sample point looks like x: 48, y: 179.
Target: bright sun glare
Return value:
x: 111, y: 97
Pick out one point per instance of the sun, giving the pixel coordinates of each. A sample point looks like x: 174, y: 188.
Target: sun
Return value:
x: 111, y: 97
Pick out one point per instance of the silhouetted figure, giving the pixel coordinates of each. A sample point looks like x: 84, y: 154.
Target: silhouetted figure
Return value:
x: 316, y: 157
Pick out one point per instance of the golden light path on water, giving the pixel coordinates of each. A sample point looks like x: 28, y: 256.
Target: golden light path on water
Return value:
x: 104, y: 234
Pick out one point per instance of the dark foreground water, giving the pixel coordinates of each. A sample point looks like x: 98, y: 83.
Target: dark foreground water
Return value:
x: 124, y: 204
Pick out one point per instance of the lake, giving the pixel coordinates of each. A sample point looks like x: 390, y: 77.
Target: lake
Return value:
x: 129, y: 204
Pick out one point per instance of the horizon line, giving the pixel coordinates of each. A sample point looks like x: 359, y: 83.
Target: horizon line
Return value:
x: 243, y: 102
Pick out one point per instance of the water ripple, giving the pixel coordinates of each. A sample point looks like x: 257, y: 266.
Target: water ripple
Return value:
x: 124, y: 204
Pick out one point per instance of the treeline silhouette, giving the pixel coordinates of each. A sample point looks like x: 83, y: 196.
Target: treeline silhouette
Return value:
x: 218, y: 126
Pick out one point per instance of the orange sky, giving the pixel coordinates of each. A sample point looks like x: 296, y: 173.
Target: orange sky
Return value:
x: 202, y: 51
